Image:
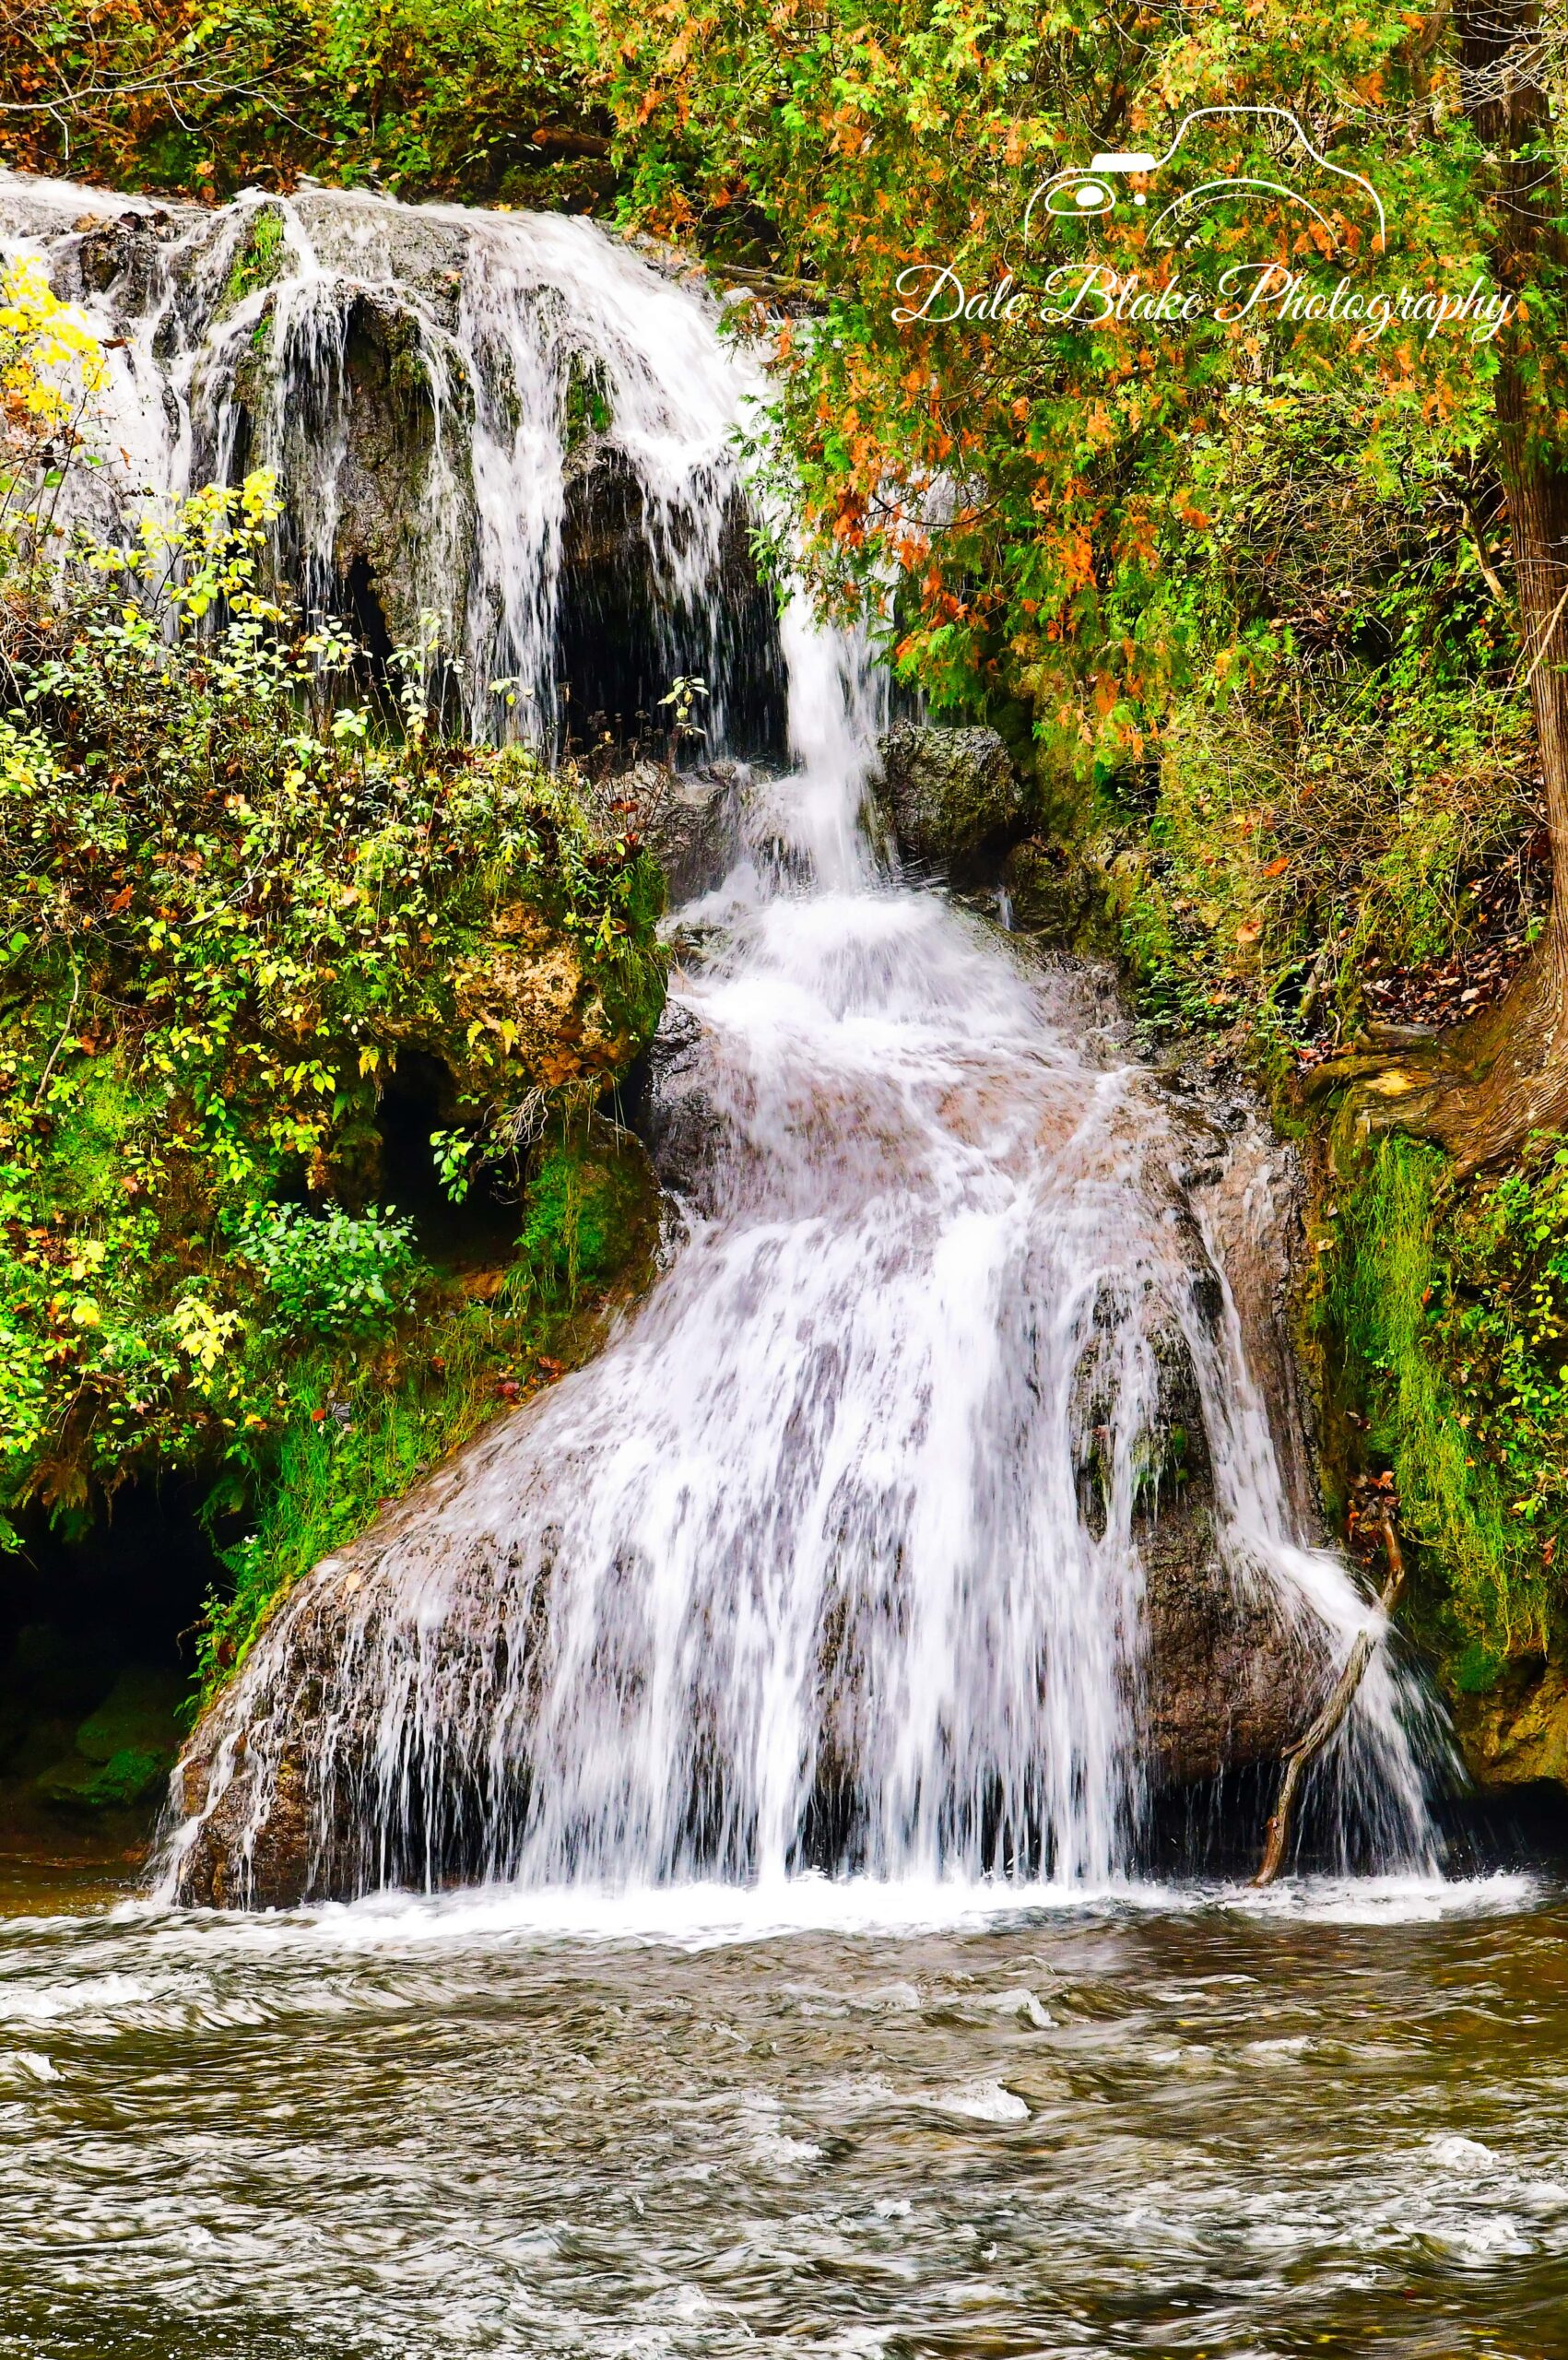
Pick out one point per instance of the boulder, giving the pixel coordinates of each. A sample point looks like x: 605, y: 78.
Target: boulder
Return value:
x: 125, y: 1749
x: 1231, y: 1681
x: 951, y: 797
x: 689, y: 820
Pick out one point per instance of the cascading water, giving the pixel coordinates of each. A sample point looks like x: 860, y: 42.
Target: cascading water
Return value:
x: 441, y: 392
x: 839, y: 1554
x: 800, y: 1569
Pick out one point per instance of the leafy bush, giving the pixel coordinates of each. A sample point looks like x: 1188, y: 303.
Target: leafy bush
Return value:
x: 224, y: 915
x: 329, y: 1274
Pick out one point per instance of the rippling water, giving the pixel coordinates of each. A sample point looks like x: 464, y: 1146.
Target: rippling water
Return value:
x: 837, y: 2122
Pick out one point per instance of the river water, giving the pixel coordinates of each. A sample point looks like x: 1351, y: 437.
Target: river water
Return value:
x: 829, y: 2120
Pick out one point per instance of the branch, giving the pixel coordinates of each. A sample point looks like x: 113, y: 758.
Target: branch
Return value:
x: 1308, y: 1746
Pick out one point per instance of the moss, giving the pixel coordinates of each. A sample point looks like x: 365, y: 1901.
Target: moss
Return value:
x: 131, y: 1776
x: 356, y: 1441
x: 1393, y: 1320
x: 258, y: 258
x: 106, y: 1112
x: 589, y: 409
x: 587, y: 1214
x: 123, y: 1750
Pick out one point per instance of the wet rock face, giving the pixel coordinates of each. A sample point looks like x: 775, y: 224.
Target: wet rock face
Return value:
x: 1516, y: 1732
x: 458, y: 429
x: 1230, y: 1682
x: 950, y: 797
x: 689, y: 820
x: 274, y: 1869
x: 388, y: 479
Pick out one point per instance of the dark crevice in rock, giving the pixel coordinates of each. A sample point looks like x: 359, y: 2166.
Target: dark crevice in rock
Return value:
x: 97, y: 1622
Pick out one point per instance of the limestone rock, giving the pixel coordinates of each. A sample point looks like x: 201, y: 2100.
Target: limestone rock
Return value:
x: 952, y: 797
x: 1230, y: 1681
x: 689, y: 820
x: 1517, y: 1731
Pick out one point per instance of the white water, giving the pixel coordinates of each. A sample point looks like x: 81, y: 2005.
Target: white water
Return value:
x: 800, y: 1567
x: 837, y: 1553
x: 494, y: 325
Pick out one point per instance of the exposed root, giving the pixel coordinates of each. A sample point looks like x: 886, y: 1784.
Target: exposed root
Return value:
x: 1482, y: 1090
x: 1307, y: 1747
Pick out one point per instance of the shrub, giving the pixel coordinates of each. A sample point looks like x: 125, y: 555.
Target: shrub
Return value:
x: 329, y: 1274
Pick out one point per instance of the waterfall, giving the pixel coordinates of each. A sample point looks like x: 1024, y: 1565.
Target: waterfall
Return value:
x: 841, y: 1553
x: 442, y: 394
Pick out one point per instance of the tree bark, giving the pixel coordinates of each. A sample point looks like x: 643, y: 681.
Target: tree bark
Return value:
x: 1491, y: 1083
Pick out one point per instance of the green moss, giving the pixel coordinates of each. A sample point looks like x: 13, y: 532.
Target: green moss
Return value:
x: 259, y: 258
x: 352, y: 1442
x: 1413, y: 1260
x: 589, y: 410
x: 139, y: 1716
x: 123, y: 1750
x: 105, y: 1111
x: 587, y: 1215
x: 356, y: 1440
x: 131, y: 1776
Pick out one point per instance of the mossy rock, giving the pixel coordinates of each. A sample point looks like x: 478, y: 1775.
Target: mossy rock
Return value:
x: 952, y: 798
x: 131, y: 1776
x: 592, y: 1212
x: 1054, y: 891
x: 125, y: 1747
x: 140, y: 1714
x: 261, y: 258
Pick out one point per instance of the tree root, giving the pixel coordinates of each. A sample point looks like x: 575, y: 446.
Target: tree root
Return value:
x: 1484, y: 1089
x: 1307, y: 1747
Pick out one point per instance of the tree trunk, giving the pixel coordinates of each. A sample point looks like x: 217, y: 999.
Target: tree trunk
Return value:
x: 1494, y: 1081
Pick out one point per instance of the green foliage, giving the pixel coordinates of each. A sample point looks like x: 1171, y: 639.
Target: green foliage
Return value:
x: 228, y: 915
x: 329, y: 1274
x: 1071, y: 565
x: 583, y: 1207
x: 354, y: 1439
x: 357, y: 1436
x: 428, y: 95
x: 260, y: 257
x: 1324, y: 810
x: 1447, y: 1310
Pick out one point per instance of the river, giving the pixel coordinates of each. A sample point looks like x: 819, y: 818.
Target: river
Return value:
x: 834, y: 2118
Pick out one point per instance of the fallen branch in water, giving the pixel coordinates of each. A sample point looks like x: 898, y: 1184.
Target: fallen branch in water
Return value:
x: 1311, y: 1744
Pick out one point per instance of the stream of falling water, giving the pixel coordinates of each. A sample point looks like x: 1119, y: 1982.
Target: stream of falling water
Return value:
x: 836, y: 1555
x: 799, y: 1569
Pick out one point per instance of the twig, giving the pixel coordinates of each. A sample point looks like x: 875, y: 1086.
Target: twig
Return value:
x: 1308, y: 1746
x: 1542, y: 647
x: 70, y: 1014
